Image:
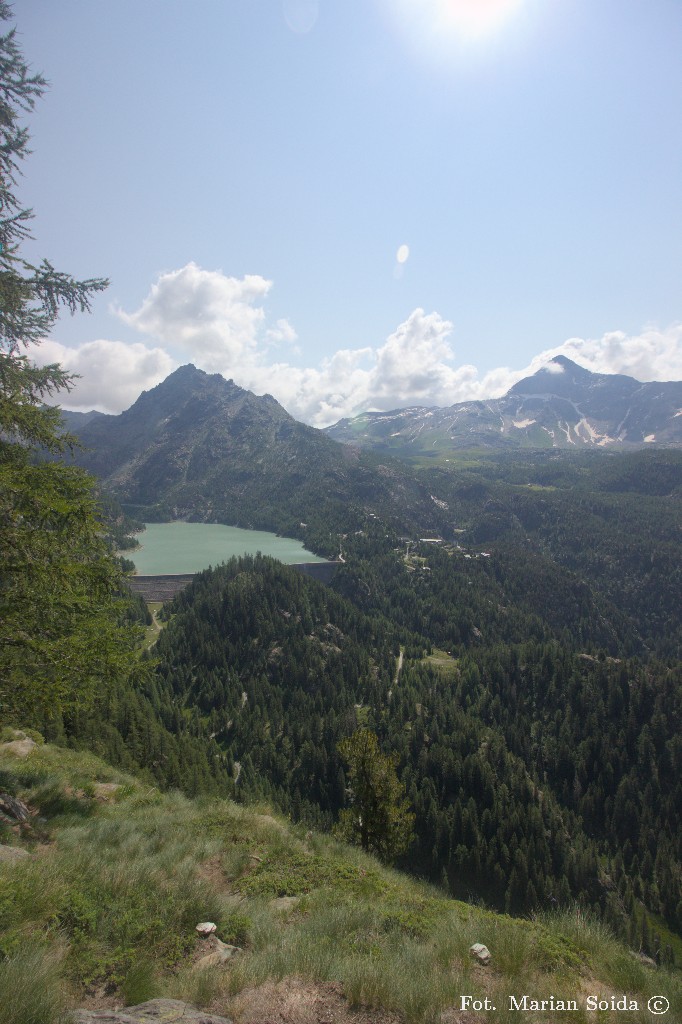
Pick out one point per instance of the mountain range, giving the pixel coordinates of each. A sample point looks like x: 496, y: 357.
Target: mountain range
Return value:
x: 199, y: 447
x: 563, y: 405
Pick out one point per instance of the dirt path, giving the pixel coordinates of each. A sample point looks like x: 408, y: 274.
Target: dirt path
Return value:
x: 297, y: 1001
x: 398, y: 668
x: 294, y: 1001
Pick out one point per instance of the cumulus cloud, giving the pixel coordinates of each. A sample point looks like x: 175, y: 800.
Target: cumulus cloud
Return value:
x: 220, y: 323
x: 283, y: 333
x: 555, y: 368
x: 653, y: 354
x: 112, y: 373
x: 206, y: 314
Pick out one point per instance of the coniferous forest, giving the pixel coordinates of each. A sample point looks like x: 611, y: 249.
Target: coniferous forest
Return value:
x: 535, y: 716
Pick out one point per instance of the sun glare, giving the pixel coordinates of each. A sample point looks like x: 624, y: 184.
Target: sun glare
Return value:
x: 476, y: 17
x: 465, y: 19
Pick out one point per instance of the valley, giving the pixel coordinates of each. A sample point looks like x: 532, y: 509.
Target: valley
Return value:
x: 505, y: 625
x: 374, y: 721
x: 545, y: 579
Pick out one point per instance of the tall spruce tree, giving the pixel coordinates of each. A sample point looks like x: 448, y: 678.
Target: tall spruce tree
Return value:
x: 379, y: 817
x: 60, y: 638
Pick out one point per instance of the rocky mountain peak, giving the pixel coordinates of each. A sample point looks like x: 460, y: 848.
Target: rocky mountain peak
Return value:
x: 562, y: 405
x: 566, y: 379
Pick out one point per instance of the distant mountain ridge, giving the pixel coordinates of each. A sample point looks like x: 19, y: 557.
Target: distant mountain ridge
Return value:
x: 200, y: 447
x: 563, y: 405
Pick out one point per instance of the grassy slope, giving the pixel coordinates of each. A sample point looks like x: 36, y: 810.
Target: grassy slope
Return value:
x: 104, y: 911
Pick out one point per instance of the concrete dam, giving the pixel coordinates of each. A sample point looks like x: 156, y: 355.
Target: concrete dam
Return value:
x: 165, y: 587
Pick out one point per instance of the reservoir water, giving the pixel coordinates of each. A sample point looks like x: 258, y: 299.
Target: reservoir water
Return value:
x: 191, y: 547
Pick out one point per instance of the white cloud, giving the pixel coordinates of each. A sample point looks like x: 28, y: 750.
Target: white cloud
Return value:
x: 220, y: 324
x: 654, y: 354
x: 283, y: 333
x: 113, y: 374
x: 204, y: 314
x: 555, y: 368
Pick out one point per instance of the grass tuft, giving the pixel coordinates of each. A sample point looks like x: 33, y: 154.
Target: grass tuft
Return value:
x: 140, y: 983
x: 31, y: 990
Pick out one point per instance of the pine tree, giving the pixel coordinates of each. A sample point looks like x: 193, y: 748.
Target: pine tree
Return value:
x: 59, y: 635
x: 379, y: 816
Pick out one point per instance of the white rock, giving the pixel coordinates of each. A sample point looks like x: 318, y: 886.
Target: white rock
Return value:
x: 206, y: 928
x: 481, y: 952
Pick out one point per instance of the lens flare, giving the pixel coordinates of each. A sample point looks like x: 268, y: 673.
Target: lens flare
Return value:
x: 300, y: 15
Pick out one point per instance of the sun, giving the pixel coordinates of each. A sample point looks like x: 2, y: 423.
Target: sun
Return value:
x: 476, y: 17
x: 465, y: 19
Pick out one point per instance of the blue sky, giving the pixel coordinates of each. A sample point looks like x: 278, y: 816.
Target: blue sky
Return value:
x: 245, y: 172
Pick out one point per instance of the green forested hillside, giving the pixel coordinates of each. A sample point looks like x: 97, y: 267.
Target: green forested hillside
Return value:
x: 505, y: 748
x: 278, y: 666
x: 610, y: 522
x: 539, y: 744
x: 599, y: 744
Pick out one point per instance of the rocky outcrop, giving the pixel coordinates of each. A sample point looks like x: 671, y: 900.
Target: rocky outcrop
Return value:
x: 14, y: 808
x: 21, y: 745
x: 20, y: 748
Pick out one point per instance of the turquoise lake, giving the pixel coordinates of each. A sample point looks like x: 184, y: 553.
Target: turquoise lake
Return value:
x: 191, y: 547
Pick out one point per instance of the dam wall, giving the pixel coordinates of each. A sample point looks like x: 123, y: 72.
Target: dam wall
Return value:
x: 160, y: 588
x: 165, y: 587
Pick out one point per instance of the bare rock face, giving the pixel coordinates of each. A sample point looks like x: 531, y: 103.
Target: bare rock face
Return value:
x: 14, y: 808
x: 561, y: 406
x: 222, y: 952
x: 156, y: 1011
x: 21, y: 746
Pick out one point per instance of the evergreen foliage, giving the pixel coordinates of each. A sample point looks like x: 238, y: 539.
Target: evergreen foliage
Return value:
x: 379, y: 817
x: 60, y: 637
x: 275, y: 663
x: 517, y: 800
